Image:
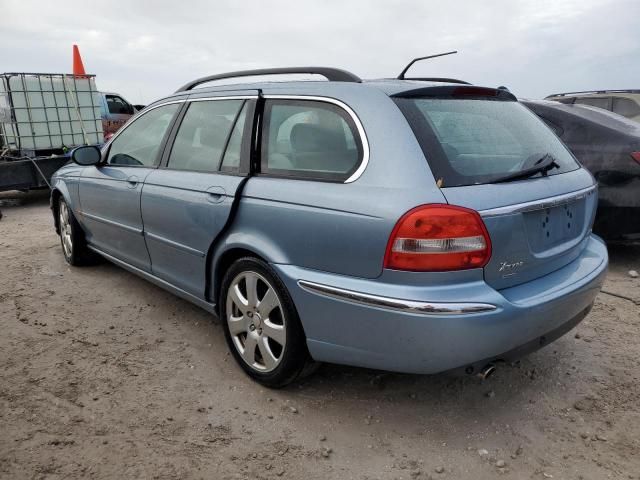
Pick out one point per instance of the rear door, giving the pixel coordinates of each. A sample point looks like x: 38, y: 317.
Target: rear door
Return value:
x: 110, y: 192
x: 187, y: 202
x: 475, y: 143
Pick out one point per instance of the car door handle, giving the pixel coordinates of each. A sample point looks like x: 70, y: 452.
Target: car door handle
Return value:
x: 215, y: 194
x: 133, y: 181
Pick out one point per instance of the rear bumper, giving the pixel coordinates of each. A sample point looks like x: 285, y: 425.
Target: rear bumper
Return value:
x: 482, y: 323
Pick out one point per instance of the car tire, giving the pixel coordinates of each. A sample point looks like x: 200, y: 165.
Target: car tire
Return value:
x: 261, y: 324
x: 72, y: 240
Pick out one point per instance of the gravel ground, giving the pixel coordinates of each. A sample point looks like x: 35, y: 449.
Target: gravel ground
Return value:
x: 106, y: 376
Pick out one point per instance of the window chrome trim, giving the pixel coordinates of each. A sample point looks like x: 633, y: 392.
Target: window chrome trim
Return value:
x: 233, y: 97
x: 356, y: 120
x: 541, y: 204
x: 363, y: 136
x: 396, y: 304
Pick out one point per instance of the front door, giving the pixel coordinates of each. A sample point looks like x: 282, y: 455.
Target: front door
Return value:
x: 187, y: 202
x: 110, y: 192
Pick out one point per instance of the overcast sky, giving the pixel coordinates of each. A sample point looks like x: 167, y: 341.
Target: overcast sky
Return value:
x: 147, y: 49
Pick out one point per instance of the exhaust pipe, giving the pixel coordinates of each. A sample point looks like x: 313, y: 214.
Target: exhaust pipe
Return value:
x: 486, y: 371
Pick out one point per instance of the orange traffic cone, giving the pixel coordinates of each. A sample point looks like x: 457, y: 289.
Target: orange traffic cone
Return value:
x: 78, y: 67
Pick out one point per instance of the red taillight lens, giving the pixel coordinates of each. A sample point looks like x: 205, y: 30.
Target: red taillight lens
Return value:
x: 636, y: 156
x: 437, y: 238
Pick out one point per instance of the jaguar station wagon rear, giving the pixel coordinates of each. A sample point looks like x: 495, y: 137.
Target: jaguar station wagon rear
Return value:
x: 404, y: 225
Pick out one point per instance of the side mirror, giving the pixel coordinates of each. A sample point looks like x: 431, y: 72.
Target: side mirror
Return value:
x: 87, y: 155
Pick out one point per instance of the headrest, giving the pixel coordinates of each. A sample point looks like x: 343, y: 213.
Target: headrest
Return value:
x: 312, y: 138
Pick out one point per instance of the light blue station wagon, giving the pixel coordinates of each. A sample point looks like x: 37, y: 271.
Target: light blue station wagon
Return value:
x: 406, y: 225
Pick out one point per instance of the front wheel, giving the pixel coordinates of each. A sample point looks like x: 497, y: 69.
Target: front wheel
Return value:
x: 74, y: 246
x: 261, y: 325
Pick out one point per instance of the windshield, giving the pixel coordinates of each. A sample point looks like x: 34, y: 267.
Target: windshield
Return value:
x: 473, y: 141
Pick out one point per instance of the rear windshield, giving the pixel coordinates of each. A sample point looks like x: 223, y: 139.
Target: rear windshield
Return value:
x: 473, y: 141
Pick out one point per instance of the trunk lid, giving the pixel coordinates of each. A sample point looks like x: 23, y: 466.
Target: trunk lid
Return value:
x: 536, y: 226
x: 480, y: 143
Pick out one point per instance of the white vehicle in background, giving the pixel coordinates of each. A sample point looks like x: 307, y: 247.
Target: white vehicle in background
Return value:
x: 622, y: 102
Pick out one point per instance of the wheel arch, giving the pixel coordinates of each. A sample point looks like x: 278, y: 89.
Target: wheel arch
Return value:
x: 55, y: 208
x: 234, y: 249
x: 222, y: 263
x: 59, y: 190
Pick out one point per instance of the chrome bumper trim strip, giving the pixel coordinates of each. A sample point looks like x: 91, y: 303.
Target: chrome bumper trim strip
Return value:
x: 406, y: 306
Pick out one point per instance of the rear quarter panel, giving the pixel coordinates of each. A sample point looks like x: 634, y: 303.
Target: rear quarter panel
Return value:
x: 337, y: 227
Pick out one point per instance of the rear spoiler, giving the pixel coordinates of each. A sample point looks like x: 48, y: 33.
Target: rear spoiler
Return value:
x: 458, y: 91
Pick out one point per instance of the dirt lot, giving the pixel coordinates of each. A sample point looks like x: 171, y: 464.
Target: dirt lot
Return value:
x: 106, y: 376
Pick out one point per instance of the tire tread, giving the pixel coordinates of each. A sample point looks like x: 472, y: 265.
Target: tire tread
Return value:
x: 296, y: 354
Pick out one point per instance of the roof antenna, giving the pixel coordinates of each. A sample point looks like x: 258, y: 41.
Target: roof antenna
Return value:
x: 401, y: 76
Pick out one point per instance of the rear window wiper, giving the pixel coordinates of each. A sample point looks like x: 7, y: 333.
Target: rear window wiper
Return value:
x: 543, y: 165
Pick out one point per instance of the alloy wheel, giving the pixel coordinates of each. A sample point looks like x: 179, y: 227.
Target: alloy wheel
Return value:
x: 256, y: 321
x: 65, y: 230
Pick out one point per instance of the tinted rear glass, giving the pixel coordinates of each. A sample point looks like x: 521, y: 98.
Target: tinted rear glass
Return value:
x: 472, y: 141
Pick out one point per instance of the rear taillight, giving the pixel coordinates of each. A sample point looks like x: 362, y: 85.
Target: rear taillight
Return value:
x: 438, y: 238
x: 636, y: 156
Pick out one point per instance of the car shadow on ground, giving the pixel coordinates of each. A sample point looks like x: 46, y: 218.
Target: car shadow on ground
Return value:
x: 331, y: 381
x: 13, y: 198
x: 354, y: 380
x: 529, y: 375
x: 624, y: 255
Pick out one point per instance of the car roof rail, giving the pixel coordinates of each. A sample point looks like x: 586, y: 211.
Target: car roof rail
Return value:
x: 628, y: 90
x: 331, y: 74
x: 438, y: 79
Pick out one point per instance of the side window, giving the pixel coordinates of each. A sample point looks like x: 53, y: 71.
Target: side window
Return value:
x: 119, y: 105
x: 309, y: 139
x: 138, y: 143
x: 625, y: 107
x: 203, y: 135
x: 599, y: 102
x: 231, y: 161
